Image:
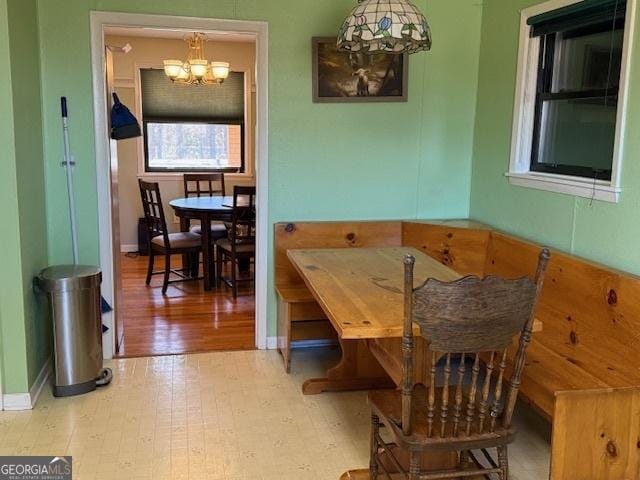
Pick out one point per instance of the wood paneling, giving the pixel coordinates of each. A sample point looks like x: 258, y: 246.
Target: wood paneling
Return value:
x: 596, y: 435
x: 591, y: 318
x: 186, y: 320
x: 460, y: 245
x: 328, y: 235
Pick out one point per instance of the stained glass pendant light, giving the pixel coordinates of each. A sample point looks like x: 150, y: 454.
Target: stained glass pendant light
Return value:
x: 384, y: 26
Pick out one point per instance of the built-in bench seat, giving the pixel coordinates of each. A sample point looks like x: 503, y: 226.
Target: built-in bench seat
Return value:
x: 583, y: 367
x: 300, y: 318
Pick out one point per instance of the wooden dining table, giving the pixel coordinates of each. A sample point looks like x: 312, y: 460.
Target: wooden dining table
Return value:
x: 205, y: 209
x: 361, y: 292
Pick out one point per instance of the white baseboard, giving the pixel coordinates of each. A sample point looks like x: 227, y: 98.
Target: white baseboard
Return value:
x: 128, y: 248
x: 272, y: 343
x: 26, y: 401
x: 16, y: 401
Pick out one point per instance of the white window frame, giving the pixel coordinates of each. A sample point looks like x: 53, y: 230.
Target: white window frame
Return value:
x: 519, y: 173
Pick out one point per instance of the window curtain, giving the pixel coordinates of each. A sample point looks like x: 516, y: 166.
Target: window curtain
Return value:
x: 581, y: 14
x: 165, y: 100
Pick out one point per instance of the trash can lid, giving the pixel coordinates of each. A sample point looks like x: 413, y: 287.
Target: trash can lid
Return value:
x: 60, y: 278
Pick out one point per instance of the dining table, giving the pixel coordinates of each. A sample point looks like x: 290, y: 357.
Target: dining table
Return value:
x: 206, y: 209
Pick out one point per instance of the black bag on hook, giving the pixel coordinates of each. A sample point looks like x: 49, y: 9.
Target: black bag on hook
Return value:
x: 123, y: 123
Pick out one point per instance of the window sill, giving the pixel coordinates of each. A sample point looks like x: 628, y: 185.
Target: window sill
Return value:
x: 578, y: 187
x: 170, y: 176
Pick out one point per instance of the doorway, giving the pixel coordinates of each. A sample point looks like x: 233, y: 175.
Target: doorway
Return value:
x: 187, y: 319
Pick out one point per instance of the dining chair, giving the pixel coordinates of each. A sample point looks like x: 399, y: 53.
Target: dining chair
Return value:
x: 206, y: 185
x: 240, y: 244
x: 161, y: 242
x: 467, y: 407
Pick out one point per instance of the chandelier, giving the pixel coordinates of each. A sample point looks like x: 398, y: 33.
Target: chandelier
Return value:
x: 196, y: 70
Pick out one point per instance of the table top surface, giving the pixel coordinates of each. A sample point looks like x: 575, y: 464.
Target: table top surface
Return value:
x: 207, y: 203
x: 361, y: 289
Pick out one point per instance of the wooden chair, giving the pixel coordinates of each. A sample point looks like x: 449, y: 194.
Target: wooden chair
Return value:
x: 206, y: 185
x: 468, y: 405
x: 161, y: 242
x: 240, y: 244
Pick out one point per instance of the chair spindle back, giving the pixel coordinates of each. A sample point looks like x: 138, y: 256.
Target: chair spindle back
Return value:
x: 469, y: 324
x: 204, y: 184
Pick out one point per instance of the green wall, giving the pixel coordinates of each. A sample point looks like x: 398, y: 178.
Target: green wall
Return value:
x: 599, y: 231
x: 23, y: 243
x: 14, y: 361
x: 373, y: 161
x: 25, y: 70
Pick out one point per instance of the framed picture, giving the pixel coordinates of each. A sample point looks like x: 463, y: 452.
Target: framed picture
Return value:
x: 356, y: 77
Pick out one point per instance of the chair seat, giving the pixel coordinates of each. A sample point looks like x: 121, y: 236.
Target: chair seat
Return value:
x: 243, y: 248
x: 179, y: 240
x: 387, y: 404
x: 218, y: 230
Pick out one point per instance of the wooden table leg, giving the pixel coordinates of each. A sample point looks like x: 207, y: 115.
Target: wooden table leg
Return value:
x: 206, y: 250
x: 186, y: 260
x: 358, y: 369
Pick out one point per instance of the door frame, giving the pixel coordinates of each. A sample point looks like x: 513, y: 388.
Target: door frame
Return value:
x: 99, y: 20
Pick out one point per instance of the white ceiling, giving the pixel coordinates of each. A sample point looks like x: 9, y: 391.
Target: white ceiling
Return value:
x: 148, y: 32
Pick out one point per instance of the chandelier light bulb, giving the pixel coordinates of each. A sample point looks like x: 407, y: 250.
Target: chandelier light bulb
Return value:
x: 220, y: 70
x: 172, y: 68
x: 198, y: 68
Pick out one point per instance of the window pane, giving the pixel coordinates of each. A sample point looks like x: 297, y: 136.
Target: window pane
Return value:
x: 185, y: 146
x: 581, y: 62
x: 578, y: 133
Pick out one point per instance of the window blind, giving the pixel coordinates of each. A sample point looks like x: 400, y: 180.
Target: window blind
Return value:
x: 581, y: 14
x: 163, y: 99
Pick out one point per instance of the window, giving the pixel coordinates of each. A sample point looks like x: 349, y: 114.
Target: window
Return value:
x: 192, y: 128
x: 571, y: 74
x: 185, y: 146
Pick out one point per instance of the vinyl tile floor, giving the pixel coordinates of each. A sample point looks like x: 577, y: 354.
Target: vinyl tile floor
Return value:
x: 223, y: 415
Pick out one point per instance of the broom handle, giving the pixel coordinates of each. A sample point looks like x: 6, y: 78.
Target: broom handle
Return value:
x: 68, y: 163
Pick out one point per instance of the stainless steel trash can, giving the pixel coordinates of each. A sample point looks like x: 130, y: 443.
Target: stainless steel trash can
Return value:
x: 74, y: 298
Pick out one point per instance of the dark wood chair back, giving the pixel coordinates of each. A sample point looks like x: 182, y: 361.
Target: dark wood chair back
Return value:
x: 469, y: 326
x: 204, y: 184
x: 243, y: 222
x: 153, y: 211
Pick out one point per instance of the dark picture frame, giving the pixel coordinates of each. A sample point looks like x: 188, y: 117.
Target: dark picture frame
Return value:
x: 357, y: 78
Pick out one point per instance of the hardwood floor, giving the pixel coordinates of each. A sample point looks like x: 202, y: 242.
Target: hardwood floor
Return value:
x: 185, y: 320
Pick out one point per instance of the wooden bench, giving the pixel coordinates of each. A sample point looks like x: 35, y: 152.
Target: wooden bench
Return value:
x: 299, y: 318
x: 583, y: 368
